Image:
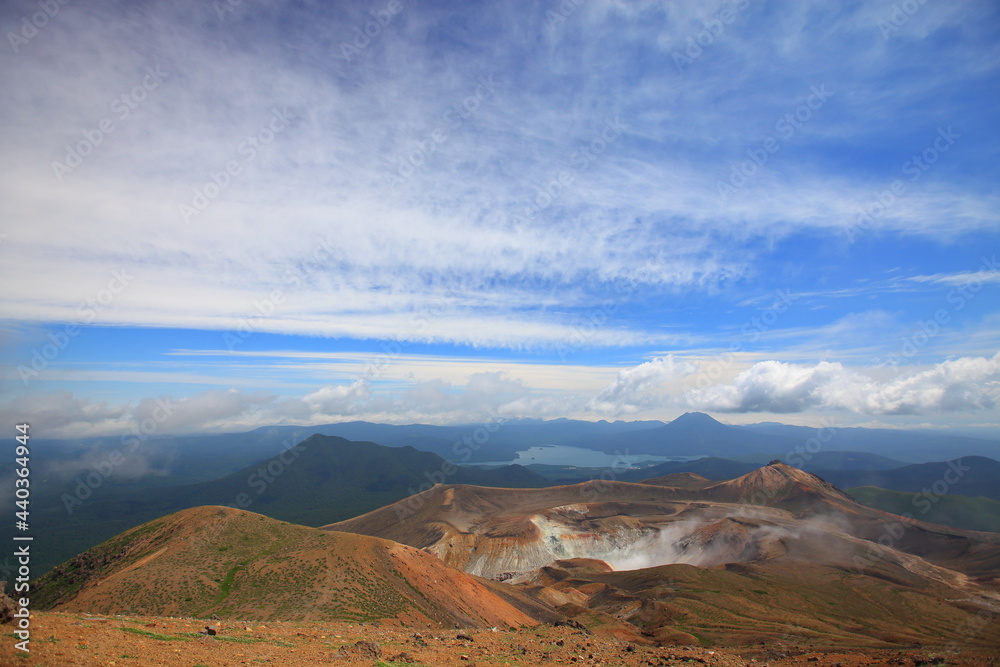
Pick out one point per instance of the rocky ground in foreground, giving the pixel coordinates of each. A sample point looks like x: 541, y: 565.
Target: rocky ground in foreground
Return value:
x: 63, y: 640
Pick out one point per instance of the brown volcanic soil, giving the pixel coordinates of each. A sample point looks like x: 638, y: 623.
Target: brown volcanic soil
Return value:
x: 220, y: 560
x: 681, y: 480
x: 764, y: 580
x: 806, y: 561
x: 465, y: 524
x: 81, y: 640
x: 747, y: 604
x: 776, y: 483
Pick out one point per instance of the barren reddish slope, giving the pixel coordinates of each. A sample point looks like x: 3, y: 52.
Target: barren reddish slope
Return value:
x: 224, y: 561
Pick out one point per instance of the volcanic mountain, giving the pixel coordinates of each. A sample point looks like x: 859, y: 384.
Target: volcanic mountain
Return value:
x: 694, y: 434
x: 233, y: 563
x: 509, y: 532
x: 747, y: 551
x: 777, y: 484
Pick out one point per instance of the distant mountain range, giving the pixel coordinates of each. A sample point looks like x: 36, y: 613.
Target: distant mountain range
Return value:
x: 908, y: 445
x: 967, y: 476
x: 698, y: 434
x: 691, y: 434
x: 331, y: 478
x: 176, y: 460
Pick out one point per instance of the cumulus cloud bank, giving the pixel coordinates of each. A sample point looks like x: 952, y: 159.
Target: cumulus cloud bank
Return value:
x: 484, y: 395
x: 637, y: 388
x: 959, y: 385
x: 968, y: 383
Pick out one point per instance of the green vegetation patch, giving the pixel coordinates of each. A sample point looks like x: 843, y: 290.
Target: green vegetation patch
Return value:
x: 155, y: 635
x: 226, y: 587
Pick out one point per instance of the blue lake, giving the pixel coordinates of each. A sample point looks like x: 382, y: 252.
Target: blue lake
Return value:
x: 562, y: 455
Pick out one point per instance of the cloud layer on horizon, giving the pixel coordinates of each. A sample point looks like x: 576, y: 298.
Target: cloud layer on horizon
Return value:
x: 965, y: 385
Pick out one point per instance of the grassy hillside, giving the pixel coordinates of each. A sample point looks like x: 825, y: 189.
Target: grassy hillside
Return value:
x: 977, y: 513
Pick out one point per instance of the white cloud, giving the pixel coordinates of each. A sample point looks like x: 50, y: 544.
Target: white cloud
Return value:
x: 208, y: 410
x: 637, y: 388
x: 968, y: 383
x: 973, y: 279
x: 61, y: 414
x: 770, y: 386
x: 965, y: 384
x: 482, y: 395
x: 338, y: 399
x: 654, y: 387
x: 60, y: 411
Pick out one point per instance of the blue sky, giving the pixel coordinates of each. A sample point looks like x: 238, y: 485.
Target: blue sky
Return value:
x: 300, y: 212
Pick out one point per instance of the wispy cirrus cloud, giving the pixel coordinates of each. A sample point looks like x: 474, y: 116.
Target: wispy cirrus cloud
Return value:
x: 965, y: 278
x: 506, y: 192
x: 442, y: 237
